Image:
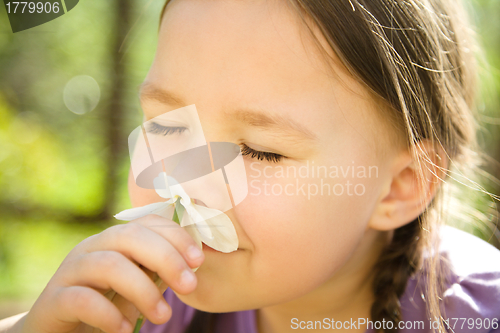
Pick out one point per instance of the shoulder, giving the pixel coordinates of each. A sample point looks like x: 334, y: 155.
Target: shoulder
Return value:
x: 471, y: 297
x: 181, y: 316
x: 468, y: 255
x: 473, y: 290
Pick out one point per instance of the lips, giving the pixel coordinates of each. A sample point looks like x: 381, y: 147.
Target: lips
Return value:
x: 209, y: 249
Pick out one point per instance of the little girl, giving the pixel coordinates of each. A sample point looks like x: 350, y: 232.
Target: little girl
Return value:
x: 374, y: 99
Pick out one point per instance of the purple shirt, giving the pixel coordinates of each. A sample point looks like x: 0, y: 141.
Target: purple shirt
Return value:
x: 471, y: 297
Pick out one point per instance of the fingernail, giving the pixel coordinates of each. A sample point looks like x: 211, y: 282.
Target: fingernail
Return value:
x: 193, y: 252
x: 187, y: 277
x: 126, y: 327
x: 161, y: 310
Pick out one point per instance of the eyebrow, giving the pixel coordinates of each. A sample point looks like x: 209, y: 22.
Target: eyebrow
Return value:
x: 256, y: 118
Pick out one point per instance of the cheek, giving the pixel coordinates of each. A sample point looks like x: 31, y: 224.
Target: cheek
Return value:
x: 141, y: 196
x: 299, y: 233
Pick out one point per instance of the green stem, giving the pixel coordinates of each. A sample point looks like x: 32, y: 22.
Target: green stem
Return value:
x: 138, y: 323
x: 178, y: 212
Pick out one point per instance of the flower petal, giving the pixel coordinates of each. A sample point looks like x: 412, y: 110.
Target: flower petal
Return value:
x: 224, y: 237
x: 177, y: 190
x: 135, y: 213
x: 193, y: 219
x: 167, y: 211
x: 195, y: 216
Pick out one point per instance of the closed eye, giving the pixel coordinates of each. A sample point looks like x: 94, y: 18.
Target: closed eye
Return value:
x: 155, y: 128
x: 261, y: 155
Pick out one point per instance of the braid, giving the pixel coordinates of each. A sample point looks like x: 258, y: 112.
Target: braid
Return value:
x: 396, y: 264
x: 202, y: 322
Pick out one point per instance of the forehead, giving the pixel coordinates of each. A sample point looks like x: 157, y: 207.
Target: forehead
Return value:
x: 241, y: 44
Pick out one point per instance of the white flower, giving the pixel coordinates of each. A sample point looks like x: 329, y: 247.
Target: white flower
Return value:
x: 207, y: 225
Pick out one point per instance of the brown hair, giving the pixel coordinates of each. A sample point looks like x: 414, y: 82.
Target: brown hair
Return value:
x: 417, y: 56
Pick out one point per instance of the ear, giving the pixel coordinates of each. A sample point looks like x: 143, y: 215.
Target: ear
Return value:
x: 412, y: 185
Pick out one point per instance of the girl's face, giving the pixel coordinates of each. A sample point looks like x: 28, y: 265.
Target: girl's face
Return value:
x: 257, y: 79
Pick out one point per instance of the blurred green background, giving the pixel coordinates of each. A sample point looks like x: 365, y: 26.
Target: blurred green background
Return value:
x: 63, y: 173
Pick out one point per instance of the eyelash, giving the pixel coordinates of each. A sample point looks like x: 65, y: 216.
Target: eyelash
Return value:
x: 260, y: 155
x: 245, y: 150
x: 164, y: 130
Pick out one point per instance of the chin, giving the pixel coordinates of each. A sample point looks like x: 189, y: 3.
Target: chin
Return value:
x: 219, y: 297
x: 209, y: 303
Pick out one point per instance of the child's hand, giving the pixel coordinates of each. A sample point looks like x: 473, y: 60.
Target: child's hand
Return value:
x: 75, y: 299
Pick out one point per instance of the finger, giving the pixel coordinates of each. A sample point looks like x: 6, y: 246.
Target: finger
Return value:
x: 162, y: 286
x: 109, y: 269
x: 149, y: 249
x: 177, y: 236
x: 168, y: 229
x: 82, y: 304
